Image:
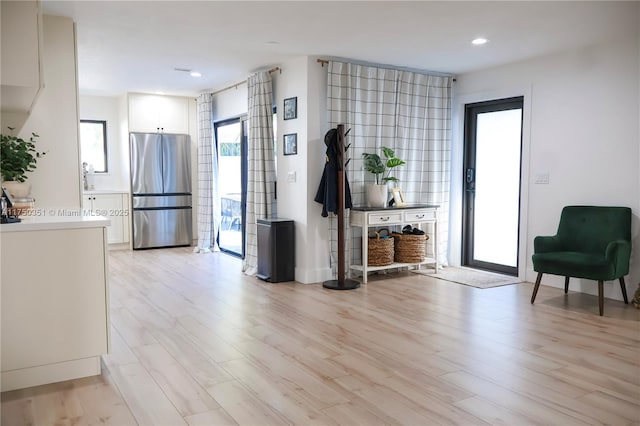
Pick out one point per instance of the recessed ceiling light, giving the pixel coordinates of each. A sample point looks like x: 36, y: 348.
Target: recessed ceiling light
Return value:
x: 479, y: 41
x: 195, y: 74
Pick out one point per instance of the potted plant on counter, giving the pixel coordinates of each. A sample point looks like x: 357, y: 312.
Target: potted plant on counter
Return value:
x: 377, y: 193
x: 17, y: 158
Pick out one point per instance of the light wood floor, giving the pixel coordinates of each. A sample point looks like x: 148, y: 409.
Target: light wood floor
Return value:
x: 196, y: 342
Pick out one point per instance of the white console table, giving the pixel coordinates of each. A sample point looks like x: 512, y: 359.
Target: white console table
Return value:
x: 419, y: 214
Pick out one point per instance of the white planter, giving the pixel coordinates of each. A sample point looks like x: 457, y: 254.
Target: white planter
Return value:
x: 376, y: 195
x: 17, y: 189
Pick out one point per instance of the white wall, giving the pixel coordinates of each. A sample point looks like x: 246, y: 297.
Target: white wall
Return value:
x: 303, y: 78
x: 291, y: 195
x: 123, y: 132
x: 583, y: 131
x: 109, y: 109
x: 56, y: 181
x: 317, y: 226
x: 230, y: 103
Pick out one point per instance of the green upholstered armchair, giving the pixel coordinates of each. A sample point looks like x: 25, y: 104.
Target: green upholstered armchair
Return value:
x: 591, y: 242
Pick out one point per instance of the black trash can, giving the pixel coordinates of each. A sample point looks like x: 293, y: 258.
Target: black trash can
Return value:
x: 276, y: 250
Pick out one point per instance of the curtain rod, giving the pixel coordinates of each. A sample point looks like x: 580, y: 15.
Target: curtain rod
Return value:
x: 324, y: 62
x: 274, y: 69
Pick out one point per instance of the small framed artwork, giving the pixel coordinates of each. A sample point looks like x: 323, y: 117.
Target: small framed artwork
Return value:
x: 291, y: 108
x: 290, y: 145
x: 398, y: 198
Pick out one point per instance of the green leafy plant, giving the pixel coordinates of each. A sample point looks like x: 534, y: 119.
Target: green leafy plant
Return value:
x: 382, y: 169
x: 18, y: 156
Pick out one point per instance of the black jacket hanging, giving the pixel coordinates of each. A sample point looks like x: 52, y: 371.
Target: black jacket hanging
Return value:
x: 327, y: 194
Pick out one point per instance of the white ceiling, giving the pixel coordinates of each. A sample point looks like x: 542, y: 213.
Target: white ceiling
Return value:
x: 135, y: 45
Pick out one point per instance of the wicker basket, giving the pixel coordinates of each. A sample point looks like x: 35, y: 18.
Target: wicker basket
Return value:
x: 380, y: 251
x: 410, y: 248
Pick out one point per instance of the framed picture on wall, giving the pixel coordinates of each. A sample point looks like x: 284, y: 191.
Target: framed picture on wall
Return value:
x: 291, y: 108
x: 290, y: 144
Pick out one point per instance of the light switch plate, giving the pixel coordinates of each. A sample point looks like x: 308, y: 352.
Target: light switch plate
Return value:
x: 542, y: 179
x: 291, y: 176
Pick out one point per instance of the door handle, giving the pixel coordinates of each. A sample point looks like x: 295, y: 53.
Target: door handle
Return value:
x: 469, y: 175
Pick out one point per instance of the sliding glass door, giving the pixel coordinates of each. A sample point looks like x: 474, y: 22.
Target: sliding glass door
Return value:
x: 231, y: 137
x: 232, y: 142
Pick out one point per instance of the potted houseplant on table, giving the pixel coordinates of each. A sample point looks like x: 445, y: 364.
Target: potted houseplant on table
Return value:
x: 377, y: 193
x: 17, y: 158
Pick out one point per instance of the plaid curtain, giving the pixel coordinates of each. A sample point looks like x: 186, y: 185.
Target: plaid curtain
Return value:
x: 405, y: 111
x: 261, y: 175
x: 209, y: 214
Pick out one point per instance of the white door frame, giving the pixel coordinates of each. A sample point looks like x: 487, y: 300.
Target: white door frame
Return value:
x: 457, y: 157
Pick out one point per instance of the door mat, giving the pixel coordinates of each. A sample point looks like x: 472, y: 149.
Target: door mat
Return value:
x: 470, y: 277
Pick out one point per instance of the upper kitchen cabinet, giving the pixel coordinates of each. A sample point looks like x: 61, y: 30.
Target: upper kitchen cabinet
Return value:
x: 21, y: 54
x: 158, y: 113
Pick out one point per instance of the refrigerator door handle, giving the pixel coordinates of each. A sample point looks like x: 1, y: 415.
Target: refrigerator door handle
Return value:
x: 162, y: 208
x: 141, y: 201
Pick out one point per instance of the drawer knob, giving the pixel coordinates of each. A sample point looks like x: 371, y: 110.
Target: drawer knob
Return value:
x: 420, y: 216
x: 384, y: 219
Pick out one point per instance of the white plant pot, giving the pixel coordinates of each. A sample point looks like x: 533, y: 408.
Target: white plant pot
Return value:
x: 376, y: 195
x: 17, y: 189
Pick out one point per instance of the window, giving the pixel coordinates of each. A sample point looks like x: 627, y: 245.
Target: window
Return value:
x: 93, y: 144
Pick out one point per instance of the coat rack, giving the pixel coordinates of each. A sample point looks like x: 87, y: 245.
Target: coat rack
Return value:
x: 341, y: 283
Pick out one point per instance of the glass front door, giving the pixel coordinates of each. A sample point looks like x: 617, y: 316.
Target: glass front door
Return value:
x: 493, y: 142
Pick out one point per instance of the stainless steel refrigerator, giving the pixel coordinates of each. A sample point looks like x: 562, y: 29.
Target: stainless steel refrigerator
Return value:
x: 160, y: 190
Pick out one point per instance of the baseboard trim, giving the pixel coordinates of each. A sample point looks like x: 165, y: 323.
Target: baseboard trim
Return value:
x: 312, y: 276
x: 51, y: 373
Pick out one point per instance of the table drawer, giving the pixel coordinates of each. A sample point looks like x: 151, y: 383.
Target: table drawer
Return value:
x: 381, y: 218
x: 413, y: 216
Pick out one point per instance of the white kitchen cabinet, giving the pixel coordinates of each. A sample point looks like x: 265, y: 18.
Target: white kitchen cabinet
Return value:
x: 21, y: 59
x: 114, y: 206
x: 158, y: 113
x: 55, y: 300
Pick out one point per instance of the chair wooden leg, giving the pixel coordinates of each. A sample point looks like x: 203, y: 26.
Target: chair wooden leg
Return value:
x: 566, y: 285
x: 601, y: 296
x: 535, y: 288
x: 624, y: 290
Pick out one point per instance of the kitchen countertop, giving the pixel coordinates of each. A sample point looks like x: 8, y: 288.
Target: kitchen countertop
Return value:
x: 46, y: 223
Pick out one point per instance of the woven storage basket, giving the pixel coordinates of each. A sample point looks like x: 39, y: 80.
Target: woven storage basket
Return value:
x: 380, y: 251
x: 409, y: 248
